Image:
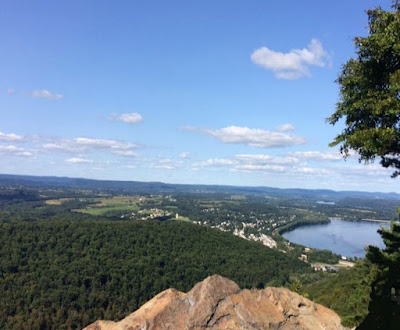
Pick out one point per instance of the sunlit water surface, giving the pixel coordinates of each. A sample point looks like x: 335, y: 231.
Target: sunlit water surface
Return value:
x: 343, y: 237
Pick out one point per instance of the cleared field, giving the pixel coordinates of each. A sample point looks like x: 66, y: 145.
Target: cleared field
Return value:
x: 104, y: 209
x: 238, y: 197
x: 115, y: 204
x: 181, y: 218
x: 118, y: 200
x: 347, y: 264
x: 58, y: 201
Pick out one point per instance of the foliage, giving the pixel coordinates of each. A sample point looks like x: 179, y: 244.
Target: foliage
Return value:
x: 67, y: 274
x: 370, y: 93
x: 296, y: 285
x: 347, y: 292
x: 66, y: 269
x: 324, y: 256
x: 384, y: 309
x: 370, y: 104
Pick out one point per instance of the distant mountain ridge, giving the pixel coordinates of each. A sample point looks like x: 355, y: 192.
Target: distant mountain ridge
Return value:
x: 160, y: 187
x: 138, y: 187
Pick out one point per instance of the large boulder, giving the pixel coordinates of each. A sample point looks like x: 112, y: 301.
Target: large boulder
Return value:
x: 218, y: 303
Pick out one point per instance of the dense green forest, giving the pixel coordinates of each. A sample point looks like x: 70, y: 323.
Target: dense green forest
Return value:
x: 67, y: 274
x: 66, y: 261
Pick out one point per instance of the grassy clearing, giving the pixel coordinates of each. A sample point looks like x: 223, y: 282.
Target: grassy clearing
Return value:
x: 57, y: 201
x: 123, y: 204
x: 238, y: 197
x: 179, y: 218
x: 117, y: 200
x: 105, y: 209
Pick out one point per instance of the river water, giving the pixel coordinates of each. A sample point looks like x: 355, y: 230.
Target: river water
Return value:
x: 342, y: 237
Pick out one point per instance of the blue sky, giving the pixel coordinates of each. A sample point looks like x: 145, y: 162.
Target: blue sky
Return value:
x: 213, y: 92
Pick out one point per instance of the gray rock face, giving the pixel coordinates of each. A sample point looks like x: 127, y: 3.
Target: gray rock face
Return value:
x: 218, y: 303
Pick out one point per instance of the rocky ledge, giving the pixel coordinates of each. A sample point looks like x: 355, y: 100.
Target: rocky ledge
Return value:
x: 219, y: 303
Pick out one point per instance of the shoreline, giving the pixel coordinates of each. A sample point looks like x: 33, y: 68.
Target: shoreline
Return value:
x: 362, y: 220
x: 374, y: 220
x: 294, y: 225
x: 377, y: 223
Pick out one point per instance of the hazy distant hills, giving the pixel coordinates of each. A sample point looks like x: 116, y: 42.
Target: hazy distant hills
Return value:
x: 136, y: 187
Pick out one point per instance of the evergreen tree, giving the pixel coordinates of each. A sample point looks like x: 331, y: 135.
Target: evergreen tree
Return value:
x: 384, y: 308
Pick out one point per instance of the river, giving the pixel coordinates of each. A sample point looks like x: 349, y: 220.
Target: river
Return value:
x: 347, y: 238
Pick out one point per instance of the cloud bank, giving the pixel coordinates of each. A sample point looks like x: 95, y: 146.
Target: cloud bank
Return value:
x: 12, y: 150
x: 84, y: 144
x: 9, y: 137
x: 253, y: 137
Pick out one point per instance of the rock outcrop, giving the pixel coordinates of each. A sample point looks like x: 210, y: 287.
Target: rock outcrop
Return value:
x: 219, y: 303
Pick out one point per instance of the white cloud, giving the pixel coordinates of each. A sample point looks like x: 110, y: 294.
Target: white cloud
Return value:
x: 285, y: 127
x: 64, y: 146
x: 81, y: 144
x: 25, y: 154
x: 129, y: 118
x: 294, y: 64
x: 125, y: 153
x: 103, y: 143
x: 319, y: 155
x: 184, y: 155
x: 250, y: 163
x: 166, y: 164
x: 12, y: 150
x: 129, y: 166
x: 310, y: 170
x: 292, y: 169
x: 11, y: 91
x: 251, y: 136
x: 259, y: 168
x: 77, y: 160
x: 257, y: 159
x: 10, y: 137
x: 217, y: 162
x: 45, y: 94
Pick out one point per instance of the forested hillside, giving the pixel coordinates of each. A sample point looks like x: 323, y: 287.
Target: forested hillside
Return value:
x: 66, y: 274
x: 347, y: 293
